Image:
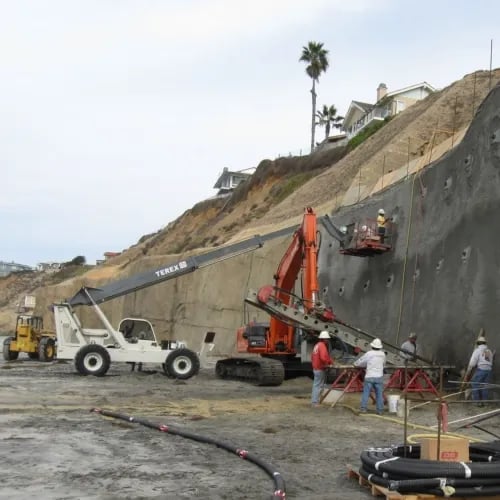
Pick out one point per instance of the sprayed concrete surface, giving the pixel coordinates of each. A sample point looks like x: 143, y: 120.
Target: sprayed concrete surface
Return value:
x: 53, y: 447
x: 441, y: 278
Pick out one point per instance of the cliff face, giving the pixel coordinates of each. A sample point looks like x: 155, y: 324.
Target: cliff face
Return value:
x: 442, y: 280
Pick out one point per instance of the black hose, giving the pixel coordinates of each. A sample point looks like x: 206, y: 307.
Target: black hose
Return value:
x: 399, y: 468
x: 279, y: 482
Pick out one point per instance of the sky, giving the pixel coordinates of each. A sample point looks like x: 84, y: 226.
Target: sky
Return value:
x: 117, y: 116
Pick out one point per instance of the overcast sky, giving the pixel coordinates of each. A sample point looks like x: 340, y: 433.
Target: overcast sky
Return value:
x: 119, y: 115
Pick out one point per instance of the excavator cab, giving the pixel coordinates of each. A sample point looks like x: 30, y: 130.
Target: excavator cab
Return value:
x: 254, y: 335
x: 362, y: 239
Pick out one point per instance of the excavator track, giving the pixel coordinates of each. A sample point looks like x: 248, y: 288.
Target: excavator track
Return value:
x: 259, y: 371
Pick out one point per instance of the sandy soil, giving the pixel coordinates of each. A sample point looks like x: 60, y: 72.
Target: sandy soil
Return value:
x: 54, y: 448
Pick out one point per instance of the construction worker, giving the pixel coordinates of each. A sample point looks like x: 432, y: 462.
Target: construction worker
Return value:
x: 409, y: 347
x: 381, y: 221
x: 374, y: 362
x: 321, y: 361
x: 482, y: 361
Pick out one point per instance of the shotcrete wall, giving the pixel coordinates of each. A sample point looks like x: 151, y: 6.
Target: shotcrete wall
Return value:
x: 442, y: 279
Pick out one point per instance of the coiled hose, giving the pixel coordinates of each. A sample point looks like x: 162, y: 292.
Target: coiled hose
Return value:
x: 399, y: 468
x: 279, y: 482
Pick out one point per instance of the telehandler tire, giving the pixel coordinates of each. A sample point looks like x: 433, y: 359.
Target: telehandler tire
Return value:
x: 9, y: 355
x: 46, y: 349
x: 92, y: 359
x: 33, y: 355
x: 182, y: 364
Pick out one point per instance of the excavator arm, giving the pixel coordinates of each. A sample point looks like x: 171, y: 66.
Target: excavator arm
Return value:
x: 300, y: 259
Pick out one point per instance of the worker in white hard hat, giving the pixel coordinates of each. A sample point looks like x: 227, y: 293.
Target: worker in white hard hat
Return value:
x: 321, y: 361
x: 409, y: 347
x: 481, y: 362
x: 381, y: 223
x: 374, y: 362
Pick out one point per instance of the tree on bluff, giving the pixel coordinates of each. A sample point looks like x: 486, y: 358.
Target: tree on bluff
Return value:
x: 79, y: 260
x: 316, y: 58
x: 328, y: 117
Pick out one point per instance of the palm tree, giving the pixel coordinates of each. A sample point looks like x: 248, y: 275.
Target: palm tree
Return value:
x: 328, y: 118
x: 316, y: 58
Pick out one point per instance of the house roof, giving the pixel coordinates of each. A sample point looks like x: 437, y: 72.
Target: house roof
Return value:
x: 425, y: 85
x: 364, y: 107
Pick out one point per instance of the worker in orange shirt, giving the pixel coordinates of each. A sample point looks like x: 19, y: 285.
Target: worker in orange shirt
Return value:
x: 321, y: 360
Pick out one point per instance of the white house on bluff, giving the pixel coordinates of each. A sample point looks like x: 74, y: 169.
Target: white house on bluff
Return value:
x: 228, y: 180
x: 361, y: 114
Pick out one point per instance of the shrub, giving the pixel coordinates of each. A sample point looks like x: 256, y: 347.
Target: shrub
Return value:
x: 367, y: 132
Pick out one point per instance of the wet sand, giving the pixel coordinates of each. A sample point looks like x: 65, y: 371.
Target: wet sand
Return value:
x: 53, y: 447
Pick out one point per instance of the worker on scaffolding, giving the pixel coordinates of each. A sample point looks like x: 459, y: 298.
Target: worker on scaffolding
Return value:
x: 409, y: 347
x: 482, y: 361
x: 381, y: 223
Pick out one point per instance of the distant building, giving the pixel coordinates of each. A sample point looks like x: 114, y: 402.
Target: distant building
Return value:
x: 361, y: 114
x: 332, y: 142
x: 110, y: 255
x: 11, y: 267
x: 229, y: 180
x: 48, y: 267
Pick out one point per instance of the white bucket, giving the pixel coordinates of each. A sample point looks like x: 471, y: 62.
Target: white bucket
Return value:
x: 393, y: 400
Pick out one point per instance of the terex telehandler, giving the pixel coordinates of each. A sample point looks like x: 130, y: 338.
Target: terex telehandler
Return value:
x: 285, y: 343
x: 134, y: 341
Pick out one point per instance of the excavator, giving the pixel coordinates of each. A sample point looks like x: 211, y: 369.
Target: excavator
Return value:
x: 134, y: 341
x: 284, y: 344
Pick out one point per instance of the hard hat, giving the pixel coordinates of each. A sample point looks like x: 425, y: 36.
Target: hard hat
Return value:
x: 364, y: 228
x: 376, y: 344
x: 481, y: 340
x: 324, y: 335
x: 381, y: 211
x: 412, y: 335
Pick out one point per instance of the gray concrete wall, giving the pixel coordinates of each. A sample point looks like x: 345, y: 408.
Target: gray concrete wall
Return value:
x: 442, y: 279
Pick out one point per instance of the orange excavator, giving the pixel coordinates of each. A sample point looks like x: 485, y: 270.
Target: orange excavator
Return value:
x: 285, y: 343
